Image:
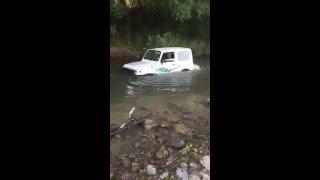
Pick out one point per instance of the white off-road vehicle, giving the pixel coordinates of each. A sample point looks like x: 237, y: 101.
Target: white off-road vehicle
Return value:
x: 162, y: 60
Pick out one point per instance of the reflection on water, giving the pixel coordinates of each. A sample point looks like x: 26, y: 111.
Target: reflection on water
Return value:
x: 155, y: 92
x: 175, y: 82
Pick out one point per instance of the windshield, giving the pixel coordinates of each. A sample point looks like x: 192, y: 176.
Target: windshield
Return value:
x: 152, y: 55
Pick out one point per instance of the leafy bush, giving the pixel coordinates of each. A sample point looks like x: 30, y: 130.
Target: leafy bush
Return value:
x: 183, y: 23
x: 118, y: 11
x: 170, y: 40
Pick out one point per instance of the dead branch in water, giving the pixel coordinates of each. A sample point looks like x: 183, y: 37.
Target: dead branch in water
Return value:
x: 131, y: 122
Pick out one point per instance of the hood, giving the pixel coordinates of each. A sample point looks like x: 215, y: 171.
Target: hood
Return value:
x: 140, y: 64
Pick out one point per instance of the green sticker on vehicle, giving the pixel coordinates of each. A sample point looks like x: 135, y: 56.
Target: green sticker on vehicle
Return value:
x: 163, y: 69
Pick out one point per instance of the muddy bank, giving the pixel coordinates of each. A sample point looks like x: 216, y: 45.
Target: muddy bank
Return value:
x: 117, y: 53
x: 171, y: 144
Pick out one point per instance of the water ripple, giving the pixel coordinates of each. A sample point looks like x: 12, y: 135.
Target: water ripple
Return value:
x: 175, y: 82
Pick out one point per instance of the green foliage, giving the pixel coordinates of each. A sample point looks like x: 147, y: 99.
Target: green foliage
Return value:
x: 118, y: 11
x: 182, y: 23
x: 202, y: 9
x: 178, y: 10
x: 182, y: 11
x: 170, y: 40
x: 156, y: 5
x: 114, y: 35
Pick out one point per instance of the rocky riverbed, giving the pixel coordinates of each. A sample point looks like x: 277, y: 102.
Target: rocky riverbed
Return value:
x: 170, y: 144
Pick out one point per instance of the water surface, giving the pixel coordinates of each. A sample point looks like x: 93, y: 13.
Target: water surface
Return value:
x: 155, y: 92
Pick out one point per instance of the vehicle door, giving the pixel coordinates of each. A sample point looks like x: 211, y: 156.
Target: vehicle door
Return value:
x: 168, y: 62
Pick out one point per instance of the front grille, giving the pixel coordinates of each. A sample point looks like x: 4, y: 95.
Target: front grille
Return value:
x: 129, y: 71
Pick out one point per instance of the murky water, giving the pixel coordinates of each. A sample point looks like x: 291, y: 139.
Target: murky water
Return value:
x: 155, y: 92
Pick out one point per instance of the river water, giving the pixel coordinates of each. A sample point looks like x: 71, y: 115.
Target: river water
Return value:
x: 155, y: 92
x: 161, y: 95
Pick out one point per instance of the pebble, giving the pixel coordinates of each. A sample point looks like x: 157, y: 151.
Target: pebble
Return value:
x: 170, y: 160
x: 117, y: 136
x: 164, y: 124
x: 193, y: 165
x: 125, y: 162
x: 164, y: 175
x: 162, y: 152
x: 204, y: 174
x: 177, y: 143
x: 135, y: 166
x: 194, y: 177
x: 151, y: 170
x: 131, y: 156
x: 125, y: 176
x: 182, y: 173
x: 205, y: 177
x: 172, y: 119
x: 149, y: 124
x: 160, y: 140
x: 148, y: 154
x: 189, y: 117
x: 201, y: 151
x: 180, y: 128
x: 184, y: 165
x: 205, y: 161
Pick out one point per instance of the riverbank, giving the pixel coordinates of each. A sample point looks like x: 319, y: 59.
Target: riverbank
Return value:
x: 117, y: 53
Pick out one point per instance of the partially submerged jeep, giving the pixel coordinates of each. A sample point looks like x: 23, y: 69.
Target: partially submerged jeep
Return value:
x: 163, y: 60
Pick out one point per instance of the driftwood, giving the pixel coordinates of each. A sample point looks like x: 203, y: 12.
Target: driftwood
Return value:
x: 131, y: 122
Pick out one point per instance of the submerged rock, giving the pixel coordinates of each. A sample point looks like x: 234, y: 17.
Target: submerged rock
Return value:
x: 151, y: 170
x: 149, y: 124
x: 176, y: 143
x: 182, y: 173
x: 205, y: 161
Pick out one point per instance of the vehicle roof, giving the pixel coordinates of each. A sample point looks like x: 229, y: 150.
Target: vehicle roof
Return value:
x: 170, y: 48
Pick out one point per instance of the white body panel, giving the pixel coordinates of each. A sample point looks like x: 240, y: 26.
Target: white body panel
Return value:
x: 182, y: 60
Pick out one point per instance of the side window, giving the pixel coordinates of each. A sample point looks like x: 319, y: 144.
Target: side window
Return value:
x: 183, y: 56
x: 167, y: 57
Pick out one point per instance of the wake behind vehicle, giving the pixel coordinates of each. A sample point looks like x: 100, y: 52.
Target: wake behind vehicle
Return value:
x: 162, y: 60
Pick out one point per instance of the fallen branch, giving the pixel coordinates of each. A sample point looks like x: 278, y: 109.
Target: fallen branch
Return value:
x: 131, y: 122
